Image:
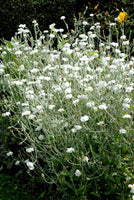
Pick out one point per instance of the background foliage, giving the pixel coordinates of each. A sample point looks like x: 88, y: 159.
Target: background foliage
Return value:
x: 15, y: 12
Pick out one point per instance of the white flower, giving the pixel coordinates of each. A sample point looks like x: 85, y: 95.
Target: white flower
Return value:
x: 100, y: 123
x: 117, y: 87
x: 61, y: 30
x: 31, y: 116
x: 102, y: 106
x: 61, y: 110
x: 27, y: 112
x: 126, y: 105
x: 10, y: 153
x: 122, y: 131
x: 114, y: 44
x: 125, y: 43
x: 45, y: 31
x: 129, y: 89
x: 18, y: 52
x: 34, y: 21
x: 22, y: 26
x: 17, y: 162
x: 21, y: 67
x: 76, y: 101
x: 69, y: 96
x: 112, y: 24
x: 82, y: 96
x: 85, y: 23
x: 85, y: 159
x: 34, y: 70
x: 29, y: 150
x: 132, y: 187
x: 77, y: 173
x: 25, y: 104
x: 47, y: 78
x: 6, y: 114
x: 64, y: 36
x: 90, y: 104
x: 93, y: 35
x: 84, y: 118
x: 51, y: 26
x: 117, y: 51
x: 127, y: 100
x: 127, y: 116
x: 41, y: 137
x: 73, y: 130
x: 78, y: 127
x: 1, y: 71
x: 68, y: 90
x: 89, y: 89
x: 62, y: 17
x: 33, y: 51
x: 116, y: 19
x: 123, y: 37
x: 70, y: 150
x: 52, y: 35
x: 38, y: 128
x: 51, y: 107
x: 30, y: 165
x: 17, y: 83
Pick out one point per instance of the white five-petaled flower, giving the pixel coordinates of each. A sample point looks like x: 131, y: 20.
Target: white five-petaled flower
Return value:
x: 78, y: 127
x: 62, y: 17
x: 27, y: 112
x: 102, y: 106
x: 127, y: 116
x: 69, y: 96
x: 132, y: 187
x: 75, y: 102
x: 10, y: 153
x: 70, y: 150
x: 61, y: 110
x: 85, y: 159
x: 129, y: 89
x: 6, y: 114
x: 84, y: 118
x: 41, y: 137
x: 122, y: 131
x: 126, y: 105
x: 34, y: 70
x: 17, y: 162
x: 30, y: 165
x: 100, y: 123
x: 51, y: 107
x: 123, y: 37
x: 29, y: 150
x: 77, y: 173
x: 1, y: 71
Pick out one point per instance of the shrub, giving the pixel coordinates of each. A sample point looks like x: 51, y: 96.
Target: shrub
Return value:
x: 73, y: 108
x: 15, y: 12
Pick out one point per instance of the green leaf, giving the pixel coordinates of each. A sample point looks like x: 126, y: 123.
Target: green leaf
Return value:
x: 42, y: 195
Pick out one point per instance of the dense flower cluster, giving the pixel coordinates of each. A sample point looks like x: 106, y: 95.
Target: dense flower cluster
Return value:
x: 70, y: 101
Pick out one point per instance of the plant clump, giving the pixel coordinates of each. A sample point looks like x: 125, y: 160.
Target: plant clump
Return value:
x: 71, y: 108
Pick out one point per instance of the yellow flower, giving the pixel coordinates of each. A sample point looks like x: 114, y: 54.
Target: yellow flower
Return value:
x: 96, y: 7
x: 122, y: 16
